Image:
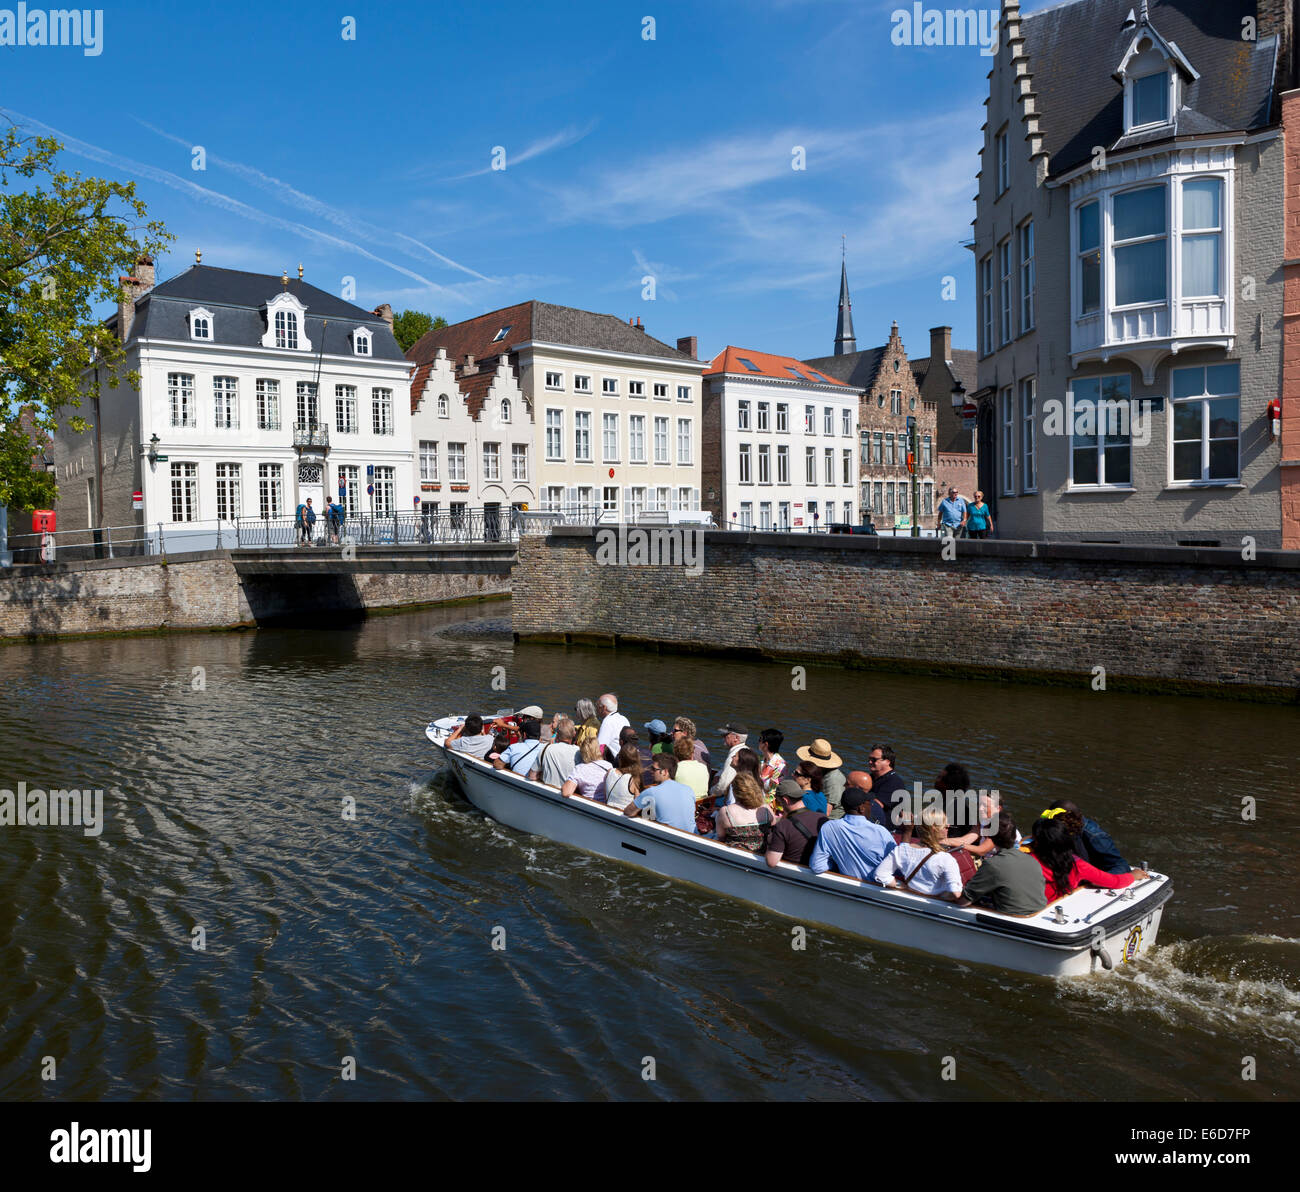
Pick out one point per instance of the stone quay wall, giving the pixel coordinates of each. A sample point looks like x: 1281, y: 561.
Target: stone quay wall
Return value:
x: 230, y: 590
x: 1194, y: 620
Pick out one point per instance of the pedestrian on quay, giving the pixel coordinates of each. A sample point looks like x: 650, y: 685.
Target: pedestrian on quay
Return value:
x: 300, y: 522
x: 979, y: 517
x: 336, y: 516
x: 952, y: 514
x: 309, y: 522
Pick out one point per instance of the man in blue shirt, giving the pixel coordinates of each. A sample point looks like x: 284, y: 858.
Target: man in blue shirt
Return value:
x: 673, y: 802
x: 854, y: 845
x: 952, y: 513
x: 525, y: 753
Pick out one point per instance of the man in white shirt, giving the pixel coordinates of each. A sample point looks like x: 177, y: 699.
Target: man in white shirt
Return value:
x: 555, y: 767
x: 734, y: 735
x: 612, y: 722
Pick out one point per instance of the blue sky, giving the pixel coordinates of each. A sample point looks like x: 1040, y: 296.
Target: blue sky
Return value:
x: 625, y: 157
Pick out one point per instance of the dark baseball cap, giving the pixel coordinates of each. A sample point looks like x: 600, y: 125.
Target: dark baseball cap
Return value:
x: 855, y: 797
x: 734, y: 727
x: 789, y: 789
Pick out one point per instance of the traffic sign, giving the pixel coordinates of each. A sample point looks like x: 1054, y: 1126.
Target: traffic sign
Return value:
x: 370, y: 490
x: 911, y: 422
x: 370, y: 470
x: 911, y: 462
x: 137, y: 500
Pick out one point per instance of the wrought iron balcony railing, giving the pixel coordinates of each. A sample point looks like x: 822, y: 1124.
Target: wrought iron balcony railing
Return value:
x: 311, y: 434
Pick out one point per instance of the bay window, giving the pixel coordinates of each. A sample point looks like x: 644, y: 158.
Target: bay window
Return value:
x: 1202, y: 237
x: 1139, y: 238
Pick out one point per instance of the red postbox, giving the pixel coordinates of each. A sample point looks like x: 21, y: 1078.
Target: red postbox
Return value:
x: 43, y: 521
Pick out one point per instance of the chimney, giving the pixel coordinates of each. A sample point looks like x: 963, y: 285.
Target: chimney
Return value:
x: 384, y: 311
x: 941, y: 344
x: 469, y: 366
x: 133, y: 288
x: 689, y: 344
x: 1275, y: 16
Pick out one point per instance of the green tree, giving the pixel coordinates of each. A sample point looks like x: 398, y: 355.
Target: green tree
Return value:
x: 64, y: 241
x: 22, y: 487
x: 411, y: 324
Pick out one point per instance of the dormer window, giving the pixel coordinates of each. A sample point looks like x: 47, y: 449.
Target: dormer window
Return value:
x: 500, y: 335
x: 286, y: 329
x: 286, y: 325
x: 1150, y: 100
x: 1153, y: 72
x: 443, y: 406
x: 201, y: 324
x: 361, y: 342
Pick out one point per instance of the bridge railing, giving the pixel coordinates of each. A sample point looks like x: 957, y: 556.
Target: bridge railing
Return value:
x: 406, y: 528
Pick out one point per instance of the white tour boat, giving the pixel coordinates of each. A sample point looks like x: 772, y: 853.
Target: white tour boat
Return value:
x: 1088, y: 931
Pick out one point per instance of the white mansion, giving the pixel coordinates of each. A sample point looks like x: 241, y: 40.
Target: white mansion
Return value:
x: 256, y: 392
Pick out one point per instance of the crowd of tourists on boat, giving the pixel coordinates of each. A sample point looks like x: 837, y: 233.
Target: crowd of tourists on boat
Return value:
x: 954, y: 843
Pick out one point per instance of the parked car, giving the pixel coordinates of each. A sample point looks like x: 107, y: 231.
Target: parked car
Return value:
x: 845, y: 528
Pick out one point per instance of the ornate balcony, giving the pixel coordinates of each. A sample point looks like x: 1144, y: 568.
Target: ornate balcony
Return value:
x: 311, y: 434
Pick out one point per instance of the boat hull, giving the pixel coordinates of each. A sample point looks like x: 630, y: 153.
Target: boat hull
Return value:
x: 1098, y: 928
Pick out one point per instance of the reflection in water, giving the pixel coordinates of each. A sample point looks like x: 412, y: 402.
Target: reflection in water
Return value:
x: 324, y: 936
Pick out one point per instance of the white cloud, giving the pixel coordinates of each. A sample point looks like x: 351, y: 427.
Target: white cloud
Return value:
x: 560, y: 140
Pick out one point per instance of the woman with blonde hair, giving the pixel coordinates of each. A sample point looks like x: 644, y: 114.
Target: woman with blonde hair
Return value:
x: 744, y: 823
x: 588, y: 777
x: 623, y: 782
x: 923, y: 866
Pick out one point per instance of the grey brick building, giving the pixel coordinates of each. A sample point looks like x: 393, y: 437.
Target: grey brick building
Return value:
x: 1128, y: 245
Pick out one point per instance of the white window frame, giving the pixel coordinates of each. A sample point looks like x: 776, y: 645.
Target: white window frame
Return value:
x: 1100, y: 445
x: 636, y: 438
x: 742, y: 415
x: 783, y: 463
x: 429, y: 460
x: 362, y: 342
x: 519, y: 461
x: 381, y: 410
x: 1028, y: 279
x: 581, y: 383
x: 200, y: 318
x: 270, y: 490
x: 491, y: 461
x: 268, y: 403
x: 764, y: 464
x: 763, y: 416
x: 457, y: 464
x: 181, y: 399
x: 782, y: 418
x: 185, y: 491
x: 609, y: 386
x: 225, y: 403
x: 685, y: 438
x: 553, y: 437
x: 1006, y: 302
x: 1007, y: 440
x: 1028, y: 445
x: 636, y: 389
x: 986, y: 305
x: 744, y: 464
x: 345, y: 410
x: 229, y: 495
x: 609, y: 441
x: 582, y: 437
x: 684, y: 393
x: 1204, y: 399
x: 554, y: 380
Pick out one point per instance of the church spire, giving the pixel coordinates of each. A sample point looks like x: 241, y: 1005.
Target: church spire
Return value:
x: 845, y: 343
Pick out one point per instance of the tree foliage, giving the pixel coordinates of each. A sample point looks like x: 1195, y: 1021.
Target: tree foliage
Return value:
x: 65, y: 240
x: 410, y: 325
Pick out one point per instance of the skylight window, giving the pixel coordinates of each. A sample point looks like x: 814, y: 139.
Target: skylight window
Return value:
x: 500, y: 335
x: 749, y: 364
x: 794, y: 372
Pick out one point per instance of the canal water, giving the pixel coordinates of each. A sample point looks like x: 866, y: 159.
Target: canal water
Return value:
x: 231, y: 934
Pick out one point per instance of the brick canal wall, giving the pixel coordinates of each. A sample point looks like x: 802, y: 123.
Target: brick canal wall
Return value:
x: 1160, y: 618
x: 227, y: 590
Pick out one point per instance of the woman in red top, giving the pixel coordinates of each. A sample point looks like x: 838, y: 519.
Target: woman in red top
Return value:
x: 1063, y: 870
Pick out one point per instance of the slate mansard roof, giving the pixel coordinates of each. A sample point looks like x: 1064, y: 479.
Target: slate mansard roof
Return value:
x: 1073, y: 50
x: 858, y: 369
x: 236, y: 299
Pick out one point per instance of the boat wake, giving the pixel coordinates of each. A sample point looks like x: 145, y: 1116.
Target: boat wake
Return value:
x: 1237, y: 983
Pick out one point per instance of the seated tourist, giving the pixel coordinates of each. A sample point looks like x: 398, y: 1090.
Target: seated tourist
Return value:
x: 809, y: 778
x: 772, y: 770
x: 854, y: 845
x: 795, y: 834
x: 558, y: 756
x: 660, y: 740
x: 887, y: 785
x: 1008, y: 881
x: 744, y: 823
x: 666, y: 800
x: 473, y: 740
x: 612, y: 722
x: 685, y: 727
x: 584, y: 715
x: 690, y: 772
x: 1064, y: 870
x: 623, y: 782
x: 588, y: 777
x: 963, y: 817
x: 922, y: 865
x: 1094, y: 844
x: 832, y: 782
x: 877, y: 812
x: 748, y: 762
x: 978, y: 841
x: 523, y: 755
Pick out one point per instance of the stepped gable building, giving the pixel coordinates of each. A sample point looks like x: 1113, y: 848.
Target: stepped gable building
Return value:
x: 890, y: 395
x: 780, y: 443
x: 260, y: 391
x: 1129, y: 249
x: 614, y: 411
x: 946, y: 372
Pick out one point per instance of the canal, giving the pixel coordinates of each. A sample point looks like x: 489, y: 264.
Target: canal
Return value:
x: 233, y: 934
